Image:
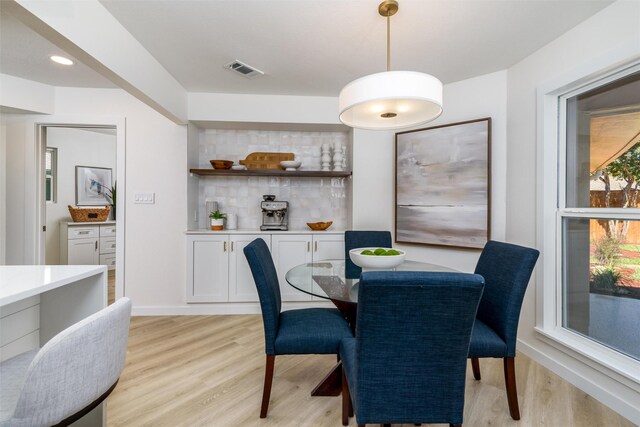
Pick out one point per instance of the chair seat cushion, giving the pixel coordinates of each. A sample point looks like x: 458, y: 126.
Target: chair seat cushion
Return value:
x: 311, y: 331
x: 485, y: 342
x: 348, y: 358
x: 13, y: 372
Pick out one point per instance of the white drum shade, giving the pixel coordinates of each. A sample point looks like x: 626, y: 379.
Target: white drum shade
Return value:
x: 391, y: 100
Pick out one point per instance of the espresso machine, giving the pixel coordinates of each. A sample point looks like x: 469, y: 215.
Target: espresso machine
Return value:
x: 274, y: 213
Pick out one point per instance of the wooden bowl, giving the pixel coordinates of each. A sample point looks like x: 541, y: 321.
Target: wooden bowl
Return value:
x: 221, y: 164
x: 319, y: 226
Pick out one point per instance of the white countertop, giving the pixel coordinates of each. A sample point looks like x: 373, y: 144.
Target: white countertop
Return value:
x: 18, y: 282
x: 254, y: 231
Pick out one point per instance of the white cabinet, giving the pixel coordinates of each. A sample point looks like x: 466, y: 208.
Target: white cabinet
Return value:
x: 208, y: 274
x: 290, y: 250
x: 88, y: 243
x: 241, y: 285
x: 217, y: 270
x: 83, y: 252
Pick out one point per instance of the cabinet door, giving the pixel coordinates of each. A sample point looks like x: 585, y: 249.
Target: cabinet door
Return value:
x: 288, y: 251
x: 208, y: 268
x: 83, y: 252
x: 241, y: 285
x: 327, y: 246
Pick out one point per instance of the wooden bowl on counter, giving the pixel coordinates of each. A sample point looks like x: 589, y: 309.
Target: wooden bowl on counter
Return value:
x: 319, y: 226
x: 221, y: 164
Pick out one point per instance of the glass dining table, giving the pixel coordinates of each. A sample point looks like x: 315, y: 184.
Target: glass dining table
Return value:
x: 326, y: 279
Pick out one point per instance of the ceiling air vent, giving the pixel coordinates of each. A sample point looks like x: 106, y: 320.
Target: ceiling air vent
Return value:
x: 243, y: 69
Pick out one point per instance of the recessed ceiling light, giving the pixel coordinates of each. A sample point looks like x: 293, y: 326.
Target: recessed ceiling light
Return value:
x: 61, y: 60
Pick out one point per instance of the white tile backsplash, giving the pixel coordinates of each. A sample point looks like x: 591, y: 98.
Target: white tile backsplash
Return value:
x: 310, y: 199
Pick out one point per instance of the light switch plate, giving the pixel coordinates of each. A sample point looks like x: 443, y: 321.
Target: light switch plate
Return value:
x: 147, y: 198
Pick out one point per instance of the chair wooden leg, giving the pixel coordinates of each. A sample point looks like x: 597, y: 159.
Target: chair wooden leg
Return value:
x: 346, y: 400
x: 475, y: 367
x: 268, y: 379
x: 510, y: 383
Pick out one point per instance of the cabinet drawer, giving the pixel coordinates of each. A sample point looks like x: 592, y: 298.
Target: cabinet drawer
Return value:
x: 107, y: 231
x: 108, y: 260
x: 107, y: 245
x: 82, y: 232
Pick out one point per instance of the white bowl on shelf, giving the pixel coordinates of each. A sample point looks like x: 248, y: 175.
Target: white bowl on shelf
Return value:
x: 290, y: 165
x: 376, y: 261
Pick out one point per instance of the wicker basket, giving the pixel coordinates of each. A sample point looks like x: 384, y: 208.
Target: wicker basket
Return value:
x: 89, y: 214
x: 265, y: 160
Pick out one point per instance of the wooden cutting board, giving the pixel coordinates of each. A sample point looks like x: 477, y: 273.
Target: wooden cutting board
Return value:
x: 265, y: 160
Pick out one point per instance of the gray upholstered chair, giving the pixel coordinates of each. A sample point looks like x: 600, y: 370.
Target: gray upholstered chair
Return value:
x: 70, y: 375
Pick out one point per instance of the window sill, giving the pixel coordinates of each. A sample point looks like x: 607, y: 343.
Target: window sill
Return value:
x: 617, y: 366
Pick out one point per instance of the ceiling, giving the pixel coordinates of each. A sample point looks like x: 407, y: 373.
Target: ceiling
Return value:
x: 310, y: 47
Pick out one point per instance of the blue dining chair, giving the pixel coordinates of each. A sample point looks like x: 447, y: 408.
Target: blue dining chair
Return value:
x: 304, y: 331
x: 407, y: 363
x: 362, y: 239
x: 506, y: 269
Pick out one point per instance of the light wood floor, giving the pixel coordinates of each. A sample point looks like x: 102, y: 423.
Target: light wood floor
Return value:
x: 208, y: 371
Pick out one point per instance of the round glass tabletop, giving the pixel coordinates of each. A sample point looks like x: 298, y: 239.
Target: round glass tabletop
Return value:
x: 326, y: 279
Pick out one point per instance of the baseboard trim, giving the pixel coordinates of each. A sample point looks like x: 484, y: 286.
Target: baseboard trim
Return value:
x: 218, y: 309
x: 620, y: 403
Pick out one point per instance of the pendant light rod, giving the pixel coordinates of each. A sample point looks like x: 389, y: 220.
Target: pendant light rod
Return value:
x: 388, y: 43
x: 388, y: 8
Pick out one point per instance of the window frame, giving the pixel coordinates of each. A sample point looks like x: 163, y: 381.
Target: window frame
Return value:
x: 552, y: 99
x: 54, y: 174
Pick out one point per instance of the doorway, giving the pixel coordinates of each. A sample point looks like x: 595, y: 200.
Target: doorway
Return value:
x: 82, y: 165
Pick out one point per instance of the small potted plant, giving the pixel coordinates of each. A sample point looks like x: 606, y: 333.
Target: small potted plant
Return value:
x: 217, y: 220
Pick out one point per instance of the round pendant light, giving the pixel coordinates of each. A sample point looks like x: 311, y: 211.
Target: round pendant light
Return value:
x: 391, y: 99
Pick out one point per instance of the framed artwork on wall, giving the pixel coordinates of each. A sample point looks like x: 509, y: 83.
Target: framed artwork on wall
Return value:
x: 443, y: 185
x: 92, y: 184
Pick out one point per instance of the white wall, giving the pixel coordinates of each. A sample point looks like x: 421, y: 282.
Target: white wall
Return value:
x: 156, y: 159
x: 76, y: 147
x: 3, y: 192
x: 374, y: 166
x: 615, y: 26
x: 25, y: 95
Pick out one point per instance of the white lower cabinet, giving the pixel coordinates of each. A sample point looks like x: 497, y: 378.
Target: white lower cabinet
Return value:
x: 290, y: 250
x: 88, y: 244
x: 241, y: 285
x: 217, y: 270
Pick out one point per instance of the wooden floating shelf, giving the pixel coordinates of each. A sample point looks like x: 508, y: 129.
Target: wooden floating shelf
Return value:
x: 302, y: 173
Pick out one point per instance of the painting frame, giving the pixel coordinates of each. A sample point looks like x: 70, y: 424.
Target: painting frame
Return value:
x: 91, y: 183
x: 443, y: 185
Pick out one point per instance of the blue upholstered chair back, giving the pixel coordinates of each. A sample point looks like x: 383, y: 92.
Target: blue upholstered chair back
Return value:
x: 266, y: 278
x: 412, y: 340
x: 506, y: 269
x: 362, y: 239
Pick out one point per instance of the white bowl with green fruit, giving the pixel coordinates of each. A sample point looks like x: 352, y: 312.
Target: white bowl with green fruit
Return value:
x: 376, y: 258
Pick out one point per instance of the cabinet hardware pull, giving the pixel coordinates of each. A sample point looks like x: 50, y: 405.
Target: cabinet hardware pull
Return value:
x: 315, y: 246
x: 225, y: 246
x: 83, y: 232
x: 308, y: 246
x: 231, y: 246
x: 96, y: 245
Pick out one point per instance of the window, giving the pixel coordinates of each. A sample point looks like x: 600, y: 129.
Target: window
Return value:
x: 51, y: 175
x: 598, y: 213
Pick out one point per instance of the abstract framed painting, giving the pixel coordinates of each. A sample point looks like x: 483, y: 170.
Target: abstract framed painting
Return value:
x: 91, y: 185
x: 443, y: 185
